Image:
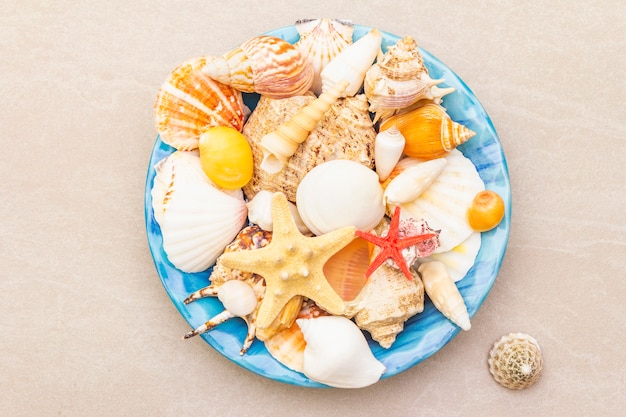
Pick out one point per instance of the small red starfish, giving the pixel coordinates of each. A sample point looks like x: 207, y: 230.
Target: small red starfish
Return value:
x: 391, y: 245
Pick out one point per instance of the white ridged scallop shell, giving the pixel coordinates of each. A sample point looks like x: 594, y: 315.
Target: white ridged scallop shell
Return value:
x: 337, y: 353
x: 320, y: 41
x: 196, y: 218
x: 460, y: 258
x: 444, y: 203
x: 352, y: 63
x: 340, y: 193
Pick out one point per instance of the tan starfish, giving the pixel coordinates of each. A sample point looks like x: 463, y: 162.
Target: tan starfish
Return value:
x: 292, y: 264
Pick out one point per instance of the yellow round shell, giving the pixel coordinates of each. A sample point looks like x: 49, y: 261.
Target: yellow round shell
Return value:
x: 515, y: 361
x: 486, y: 211
x: 226, y: 157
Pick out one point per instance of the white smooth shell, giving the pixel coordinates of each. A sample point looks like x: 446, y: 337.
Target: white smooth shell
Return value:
x: 410, y: 183
x: 340, y: 193
x: 237, y: 297
x: 337, y: 353
x: 260, y: 212
x: 444, y: 203
x: 196, y: 218
x: 388, y: 148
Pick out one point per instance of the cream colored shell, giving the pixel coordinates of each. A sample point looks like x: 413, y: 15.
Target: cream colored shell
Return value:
x: 515, y: 361
x: 345, y: 132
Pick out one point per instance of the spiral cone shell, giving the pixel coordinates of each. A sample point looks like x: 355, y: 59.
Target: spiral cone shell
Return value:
x: 429, y: 131
x: 190, y: 101
x: 515, y: 361
x: 266, y: 65
x: 352, y: 63
x: 444, y: 294
x: 280, y: 145
x: 320, y: 41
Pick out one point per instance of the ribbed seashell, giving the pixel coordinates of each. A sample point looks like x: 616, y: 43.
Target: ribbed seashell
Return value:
x: 429, y: 131
x: 398, y: 79
x: 460, y: 258
x: 266, y: 65
x: 386, y: 302
x: 444, y: 203
x: 444, y: 294
x: 340, y: 193
x: 320, y: 41
x: 352, y: 63
x: 260, y: 212
x: 515, y: 361
x: 190, y: 101
x: 345, y: 132
x: 196, y: 218
x: 337, y: 353
x: 409, y: 184
x: 278, y: 146
x: 345, y: 270
x: 229, y: 286
x: 388, y: 149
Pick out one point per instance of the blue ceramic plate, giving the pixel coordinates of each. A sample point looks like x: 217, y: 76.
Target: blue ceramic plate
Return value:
x: 426, y: 332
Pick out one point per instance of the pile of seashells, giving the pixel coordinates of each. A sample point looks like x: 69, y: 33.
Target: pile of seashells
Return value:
x: 328, y: 210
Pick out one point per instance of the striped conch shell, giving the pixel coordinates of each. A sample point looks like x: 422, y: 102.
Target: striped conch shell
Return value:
x: 352, y: 63
x: 278, y: 146
x: 399, y: 79
x: 190, y: 101
x: 444, y: 293
x: 320, y: 41
x: 429, y: 131
x: 266, y: 65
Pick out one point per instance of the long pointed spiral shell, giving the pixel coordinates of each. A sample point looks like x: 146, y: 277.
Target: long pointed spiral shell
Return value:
x: 515, y: 361
x: 278, y: 146
x: 320, y: 41
x: 352, y: 63
x: 443, y: 293
x: 266, y: 65
x: 429, y: 131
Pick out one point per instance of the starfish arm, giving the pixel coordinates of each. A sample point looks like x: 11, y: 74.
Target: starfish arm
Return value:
x: 405, y: 242
x: 270, y: 308
x: 376, y: 262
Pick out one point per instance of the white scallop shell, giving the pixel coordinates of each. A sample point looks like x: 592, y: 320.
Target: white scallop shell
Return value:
x: 459, y: 259
x: 340, y: 193
x: 197, y: 219
x: 352, y: 63
x: 444, y: 203
x: 320, y: 41
x: 337, y: 353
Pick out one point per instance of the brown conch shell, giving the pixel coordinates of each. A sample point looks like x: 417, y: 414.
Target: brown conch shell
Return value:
x: 345, y: 132
x: 386, y: 302
x: 190, y: 101
x: 515, y: 361
x: 266, y: 65
x: 429, y: 131
x: 399, y: 79
x: 320, y: 41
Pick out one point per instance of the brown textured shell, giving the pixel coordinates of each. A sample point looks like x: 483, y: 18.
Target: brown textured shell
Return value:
x: 345, y: 132
x: 515, y: 361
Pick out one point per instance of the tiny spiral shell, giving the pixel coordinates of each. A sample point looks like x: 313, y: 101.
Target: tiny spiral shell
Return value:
x: 515, y: 361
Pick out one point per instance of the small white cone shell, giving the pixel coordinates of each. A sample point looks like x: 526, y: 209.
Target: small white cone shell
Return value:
x: 337, y: 353
x: 388, y: 148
